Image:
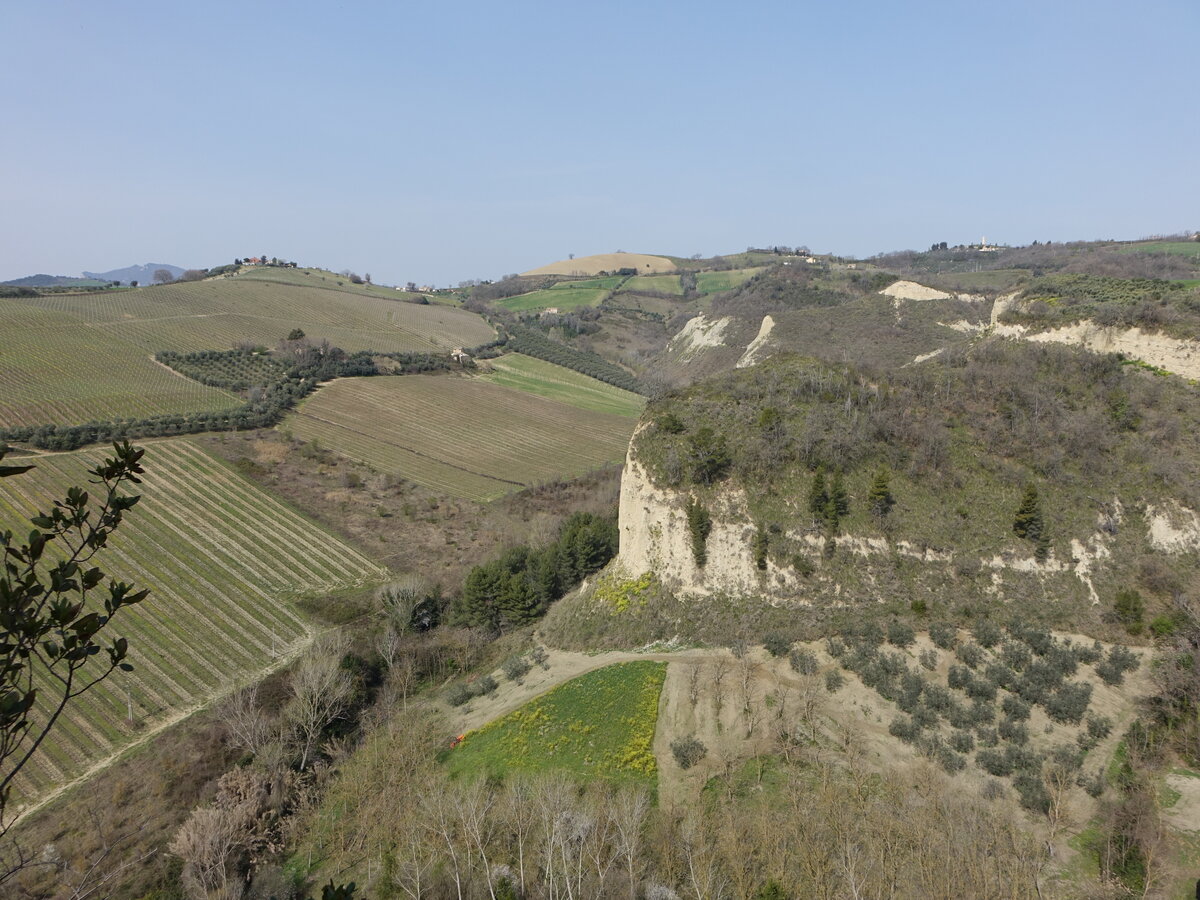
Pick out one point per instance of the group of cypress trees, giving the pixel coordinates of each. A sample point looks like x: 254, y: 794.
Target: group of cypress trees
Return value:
x: 520, y: 585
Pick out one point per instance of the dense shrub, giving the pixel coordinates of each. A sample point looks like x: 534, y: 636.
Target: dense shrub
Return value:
x: 1032, y: 792
x: 1016, y: 656
x: 802, y: 661
x: 994, y: 762
x: 962, y: 741
x: 900, y: 634
x: 1001, y: 675
x: 969, y: 654
x: 987, y: 634
x: 943, y: 635
x: 1099, y: 727
x: 951, y: 762
x: 928, y: 659
x: 1012, y: 731
x: 958, y: 677
x: 777, y: 644
x: 834, y: 681
x: 836, y: 647
x: 515, y: 668
x: 688, y: 751
x: 905, y: 729
x: 1088, y: 654
x: 1068, y: 704
x: 1015, y: 708
x: 982, y: 712
x: 980, y: 688
x: 937, y: 698
x: 458, y: 694
x: 486, y: 686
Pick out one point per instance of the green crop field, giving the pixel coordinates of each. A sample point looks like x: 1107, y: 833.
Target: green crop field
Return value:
x: 599, y: 725
x: 462, y: 436
x: 563, y: 298
x: 1174, y: 248
x: 223, y: 560
x: 216, y: 314
x: 54, y: 369
x: 713, y: 282
x: 74, y: 358
x: 608, y: 283
x: 536, y: 376
x: 654, y: 284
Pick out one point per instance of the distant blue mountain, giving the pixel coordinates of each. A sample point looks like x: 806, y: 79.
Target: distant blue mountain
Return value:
x: 54, y: 281
x: 140, y: 274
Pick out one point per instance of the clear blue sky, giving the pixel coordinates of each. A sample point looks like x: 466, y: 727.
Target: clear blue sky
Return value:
x: 440, y: 142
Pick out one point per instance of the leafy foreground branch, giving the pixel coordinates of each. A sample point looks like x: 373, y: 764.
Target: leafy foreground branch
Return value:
x: 54, y: 610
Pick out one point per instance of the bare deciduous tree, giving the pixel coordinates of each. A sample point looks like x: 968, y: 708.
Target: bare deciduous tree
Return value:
x: 321, y: 690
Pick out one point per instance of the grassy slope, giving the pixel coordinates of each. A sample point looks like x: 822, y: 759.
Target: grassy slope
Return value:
x: 1174, y: 248
x: 655, y: 284
x: 545, y: 379
x: 461, y: 436
x: 599, y: 725
x: 563, y: 298
x: 223, y: 560
x: 714, y: 282
x: 72, y: 358
x: 55, y: 369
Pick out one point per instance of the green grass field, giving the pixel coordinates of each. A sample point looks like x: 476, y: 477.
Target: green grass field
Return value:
x: 1174, y: 248
x: 54, y: 369
x: 224, y: 561
x: 654, y: 284
x: 714, y: 282
x: 608, y: 283
x: 461, y: 436
x: 74, y: 358
x: 599, y: 725
x: 545, y: 379
x: 562, y: 298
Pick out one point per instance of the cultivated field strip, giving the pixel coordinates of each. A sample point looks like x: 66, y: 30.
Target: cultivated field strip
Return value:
x: 545, y: 379
x: 462, y: 436
x: 54, y: 369
x: 74, y: 358
x: 223, y: 560
x: 212, y: 315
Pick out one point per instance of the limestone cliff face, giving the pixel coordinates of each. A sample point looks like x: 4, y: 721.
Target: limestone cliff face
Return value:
x: 655, y: 538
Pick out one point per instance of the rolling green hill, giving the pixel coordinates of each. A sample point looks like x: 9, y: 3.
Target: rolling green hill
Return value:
x: 73, y: 358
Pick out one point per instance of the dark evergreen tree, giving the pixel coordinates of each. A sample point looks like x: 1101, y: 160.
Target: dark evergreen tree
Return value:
x: 838, y: 496
x: 699, y: 526
x: 1028, y: 523
x: 880, y: 498
x: 818, y: 495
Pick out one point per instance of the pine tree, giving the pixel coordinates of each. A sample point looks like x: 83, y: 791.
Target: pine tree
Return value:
x: 838, y: 496
x: 1027, y: 523
x: 880, y: 496
x: 818, y: 496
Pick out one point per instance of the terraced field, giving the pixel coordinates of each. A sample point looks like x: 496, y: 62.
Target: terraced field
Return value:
x: 713, y: 282
x: 55, y: 369
x: 545, y: 379
x: 74, y: 358
x: 555, y: 298
x: 224, y: 561
x: 461, y: 436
